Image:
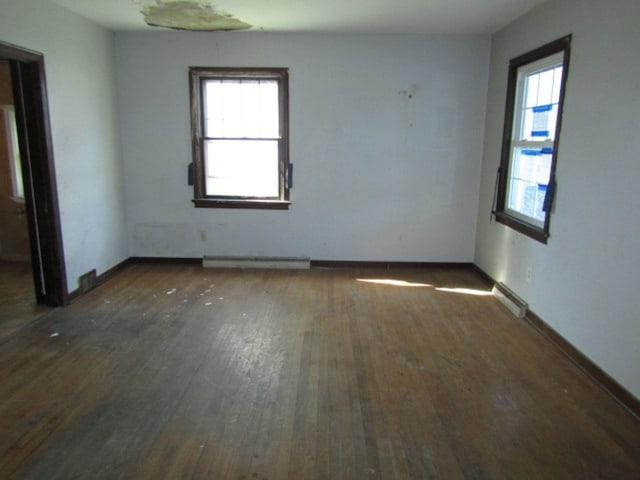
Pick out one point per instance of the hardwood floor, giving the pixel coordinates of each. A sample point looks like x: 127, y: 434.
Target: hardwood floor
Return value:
x: 18, y: 306
x: 170, y: 371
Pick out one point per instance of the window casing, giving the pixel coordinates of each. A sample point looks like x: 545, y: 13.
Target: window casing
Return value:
x: 526, y: 178
x: 239, y: 123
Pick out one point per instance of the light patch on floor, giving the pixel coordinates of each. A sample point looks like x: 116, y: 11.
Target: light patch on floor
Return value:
x: 190, y: 15
x: 395, y: 283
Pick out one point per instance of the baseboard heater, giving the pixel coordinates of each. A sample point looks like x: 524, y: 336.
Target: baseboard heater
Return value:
x: 292, y: 263
x: 509, y: 299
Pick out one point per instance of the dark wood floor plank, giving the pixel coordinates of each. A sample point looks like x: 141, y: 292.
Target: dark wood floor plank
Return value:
x: 18, y: 307
x: 173, y: 371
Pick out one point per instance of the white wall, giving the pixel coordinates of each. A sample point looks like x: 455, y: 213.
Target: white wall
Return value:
x: 80, y: 72
x: 585, y: 282
x: 377, y: 175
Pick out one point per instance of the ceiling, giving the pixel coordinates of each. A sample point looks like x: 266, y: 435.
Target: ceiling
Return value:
x: 375, y: 16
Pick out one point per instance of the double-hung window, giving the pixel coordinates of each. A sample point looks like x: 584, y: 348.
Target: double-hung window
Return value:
x: 526, y: 181
x: 239, y: 122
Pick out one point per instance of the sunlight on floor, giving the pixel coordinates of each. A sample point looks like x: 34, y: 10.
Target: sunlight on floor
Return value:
x: 404, y: 283
x: 466, y: 291
x: 395, y: 283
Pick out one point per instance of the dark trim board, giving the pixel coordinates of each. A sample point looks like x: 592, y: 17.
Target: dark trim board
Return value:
x: 487, y: 278
x: 624, y: 397
x: 106, y: 275
x: 323, y: 263
x: 385, y: 265
x: 100, y: 279
x: 611, y: 386
x: 167, y: 260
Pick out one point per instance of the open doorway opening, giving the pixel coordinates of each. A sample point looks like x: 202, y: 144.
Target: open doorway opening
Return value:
x: 30, y: 233
x: 18, y: 300
x: 14, y: 235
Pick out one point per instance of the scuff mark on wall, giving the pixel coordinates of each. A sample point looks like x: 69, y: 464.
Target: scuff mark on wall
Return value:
x: 189, y: 15
x: 409, y: 92
x: 409, y: 109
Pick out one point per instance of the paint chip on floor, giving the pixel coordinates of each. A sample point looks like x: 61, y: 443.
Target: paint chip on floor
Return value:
x: 54, y: 334
x: 172, y: 291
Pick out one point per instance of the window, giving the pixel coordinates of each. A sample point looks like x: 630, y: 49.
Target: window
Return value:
x: 239, y: 123
x: 526, y: 178
x: 15, y: 167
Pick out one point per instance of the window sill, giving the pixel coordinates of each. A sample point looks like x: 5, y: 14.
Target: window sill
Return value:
x: 241, y: 203
x: 526, y: 229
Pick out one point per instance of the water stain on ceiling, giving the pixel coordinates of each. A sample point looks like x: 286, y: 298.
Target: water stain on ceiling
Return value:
x: 190, y: 15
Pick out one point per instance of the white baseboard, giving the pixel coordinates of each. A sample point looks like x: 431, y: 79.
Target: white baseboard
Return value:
x: 293, y: 263
x: 510, y: 300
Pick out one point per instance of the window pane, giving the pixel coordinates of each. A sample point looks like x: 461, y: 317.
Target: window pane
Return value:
x: 545, y: 87
x: 244, y: 108
x: 528, y: 179
x: 13, y: 151
x: 213, y: 99
x: 557, y: 82
x: 539, y: 114
x: 531, y: 88
x: 242, y: 168
x: 539, y: 123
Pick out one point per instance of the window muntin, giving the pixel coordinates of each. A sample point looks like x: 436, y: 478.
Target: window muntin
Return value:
x: 240, y: 130
x: 532, y: 124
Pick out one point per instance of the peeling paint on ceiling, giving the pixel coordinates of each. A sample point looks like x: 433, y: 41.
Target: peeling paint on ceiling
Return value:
x: 190, y: 15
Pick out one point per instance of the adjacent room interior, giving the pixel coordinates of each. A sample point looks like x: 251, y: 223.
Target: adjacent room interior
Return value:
x: 430, y: 273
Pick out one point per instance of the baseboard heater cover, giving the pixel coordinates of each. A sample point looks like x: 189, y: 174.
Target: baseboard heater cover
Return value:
x: 293, y: 263
x: 509, y: 299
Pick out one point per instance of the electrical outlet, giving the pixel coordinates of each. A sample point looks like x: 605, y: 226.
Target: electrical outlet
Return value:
x: 529, y: 274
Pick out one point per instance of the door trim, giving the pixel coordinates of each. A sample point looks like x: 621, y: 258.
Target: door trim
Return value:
x: 36, y: 151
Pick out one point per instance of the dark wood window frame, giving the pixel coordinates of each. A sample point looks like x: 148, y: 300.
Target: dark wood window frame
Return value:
x: 541, y: 234
x: 199, y: 75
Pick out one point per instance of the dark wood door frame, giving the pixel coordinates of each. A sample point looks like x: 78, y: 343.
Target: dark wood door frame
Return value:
x: 36, y: 152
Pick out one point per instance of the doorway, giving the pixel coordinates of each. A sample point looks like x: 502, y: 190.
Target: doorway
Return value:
x: 33, y: 203
x: 18, y: 305
x: 14, y: 232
